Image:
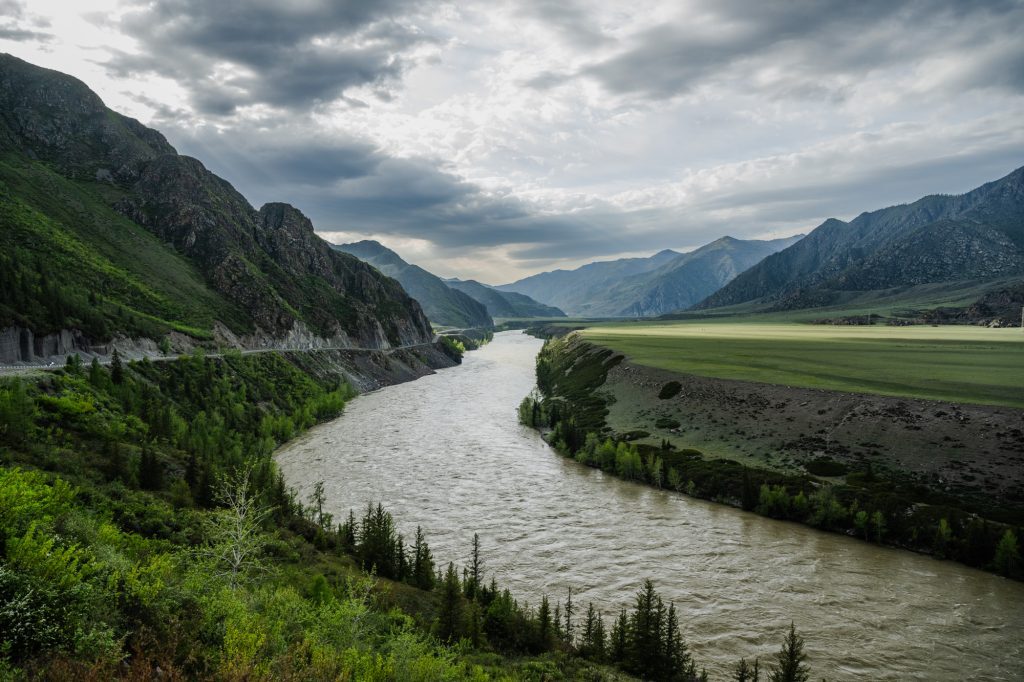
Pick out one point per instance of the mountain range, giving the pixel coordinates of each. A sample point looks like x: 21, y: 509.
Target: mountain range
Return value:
x: 504, y: 304
x: 452, y: 302
x: 442, y: 304
x: 108, y: 231
x: 974, y: 236
x: 640, y: 287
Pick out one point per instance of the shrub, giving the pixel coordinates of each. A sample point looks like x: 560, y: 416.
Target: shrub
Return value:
x: 670, y: 390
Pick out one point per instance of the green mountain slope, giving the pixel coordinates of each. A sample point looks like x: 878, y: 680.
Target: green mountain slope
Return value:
x: 108, y: 231
x: 503, y: 303
x: 441, y: 303
x: 974, y: 236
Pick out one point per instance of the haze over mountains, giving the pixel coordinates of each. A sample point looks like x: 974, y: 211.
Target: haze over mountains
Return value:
x: 974, y: 236
x: 639, y: 287
x: 442, y: 304
x: 504, y: 303
x: 451, y: 302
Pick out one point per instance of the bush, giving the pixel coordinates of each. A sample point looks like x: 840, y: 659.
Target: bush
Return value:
x: 670, y: 390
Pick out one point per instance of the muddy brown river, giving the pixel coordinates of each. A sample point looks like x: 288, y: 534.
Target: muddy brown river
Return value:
x: 447, y: 453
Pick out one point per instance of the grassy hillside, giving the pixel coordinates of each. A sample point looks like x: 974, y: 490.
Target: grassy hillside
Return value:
x: 961, y: 363
x: 105, y: 272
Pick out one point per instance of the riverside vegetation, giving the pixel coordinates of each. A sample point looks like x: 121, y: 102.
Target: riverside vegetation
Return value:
x: 876, y: 506
x: 146, y: 530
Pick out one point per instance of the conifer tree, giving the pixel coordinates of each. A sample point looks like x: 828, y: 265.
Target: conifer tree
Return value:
x: 544, y: 621
x: 449, y: 622
x: 568, y: 617
x: 422, y: 563
x: 1007, y: 559
x: 789, y: 665
x: 618, y: 646
x: 116, y: 368
x: 151, y: 472
x: 95, y: 373
x: 745, y: 672
x: 472, y: 585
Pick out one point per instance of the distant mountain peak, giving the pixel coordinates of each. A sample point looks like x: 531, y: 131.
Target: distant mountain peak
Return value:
x: 662, y: 283
x: 977, y: 235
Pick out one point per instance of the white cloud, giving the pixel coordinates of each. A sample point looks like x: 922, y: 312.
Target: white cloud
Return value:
x: 575, y: 130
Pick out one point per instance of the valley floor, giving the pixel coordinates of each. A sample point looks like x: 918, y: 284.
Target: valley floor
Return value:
x: 952, y: 363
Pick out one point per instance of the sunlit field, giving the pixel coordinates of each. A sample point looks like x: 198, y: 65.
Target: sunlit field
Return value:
x: 955, y: 363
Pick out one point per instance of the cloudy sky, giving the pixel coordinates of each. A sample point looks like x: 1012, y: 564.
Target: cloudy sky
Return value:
x: 494, y: 139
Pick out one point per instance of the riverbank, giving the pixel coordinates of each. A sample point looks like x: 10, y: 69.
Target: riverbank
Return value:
x: 935, y: 478
x: 148, y: 534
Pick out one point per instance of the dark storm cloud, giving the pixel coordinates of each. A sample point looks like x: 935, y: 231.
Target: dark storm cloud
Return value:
x: 809, y: 42
x: 288, y: 55
x: 350, y: 186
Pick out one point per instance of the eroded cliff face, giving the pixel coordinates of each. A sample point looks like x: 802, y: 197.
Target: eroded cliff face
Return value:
x: 21, y: 346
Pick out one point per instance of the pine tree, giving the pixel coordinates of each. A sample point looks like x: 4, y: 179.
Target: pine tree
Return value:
x: 475, y: 569
x: 592, y: 643
x: 95, y: 373
x: 116, y: 368
x: 151, y: 472
x: 747, y: 673
x: 678, y: 661
x: 789, y: 665
x: 422, y: 563
x: 449, y: 622
x: 618, y: 646
x: 544, y: 621
x: 568, y: 617
x: 1007, y: 557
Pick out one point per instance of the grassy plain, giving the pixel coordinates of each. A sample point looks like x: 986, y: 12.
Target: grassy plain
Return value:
x: 954, y: 363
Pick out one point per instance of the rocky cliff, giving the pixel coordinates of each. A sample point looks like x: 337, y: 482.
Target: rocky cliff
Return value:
x: 974, y: 236
x: 80, y: 180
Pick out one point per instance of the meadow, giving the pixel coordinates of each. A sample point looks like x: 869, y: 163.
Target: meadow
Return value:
x: 954, y: 363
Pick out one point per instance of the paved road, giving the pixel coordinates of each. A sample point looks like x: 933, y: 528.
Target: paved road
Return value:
x: 24, y: 369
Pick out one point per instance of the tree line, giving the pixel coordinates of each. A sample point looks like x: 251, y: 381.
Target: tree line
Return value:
x: 875, y: 507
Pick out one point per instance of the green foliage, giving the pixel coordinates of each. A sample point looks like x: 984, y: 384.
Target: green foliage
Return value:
x: 647, y: 642
x: 453, y: 347
x: 789, y: 666
x: 1007, y: 559
x: 66, y: 265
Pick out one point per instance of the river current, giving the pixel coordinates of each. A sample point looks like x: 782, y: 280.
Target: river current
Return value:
x: 446, y: 452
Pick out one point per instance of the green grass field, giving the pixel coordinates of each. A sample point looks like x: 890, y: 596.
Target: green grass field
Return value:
x: 954, y: 363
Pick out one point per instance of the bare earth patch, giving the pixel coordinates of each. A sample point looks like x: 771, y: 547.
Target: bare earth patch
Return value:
x: 970, y: 451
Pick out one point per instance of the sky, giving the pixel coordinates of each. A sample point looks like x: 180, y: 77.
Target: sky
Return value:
x: 492, y: 140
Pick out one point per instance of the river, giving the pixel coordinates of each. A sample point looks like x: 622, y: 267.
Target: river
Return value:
x: 447, y: 453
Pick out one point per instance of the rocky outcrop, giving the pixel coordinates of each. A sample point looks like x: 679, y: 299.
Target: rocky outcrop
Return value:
x: 975, y: 236
x: 20, y: 346
x: 58, y: 119
x: 290, y: 284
